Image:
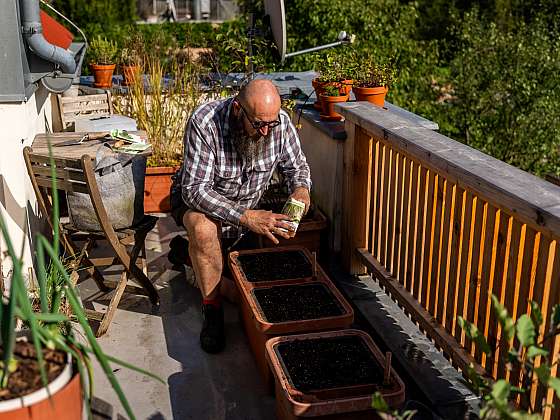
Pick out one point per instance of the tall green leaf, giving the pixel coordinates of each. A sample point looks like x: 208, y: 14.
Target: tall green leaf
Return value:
x: 525, y: 330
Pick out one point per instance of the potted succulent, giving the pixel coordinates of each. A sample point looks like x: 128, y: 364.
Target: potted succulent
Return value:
x: 372, y: 81
x: 102, y: 53
x: 332, y: 95
x: 45, y: 368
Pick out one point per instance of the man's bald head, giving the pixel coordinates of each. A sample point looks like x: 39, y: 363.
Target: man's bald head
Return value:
x: 261, y: 99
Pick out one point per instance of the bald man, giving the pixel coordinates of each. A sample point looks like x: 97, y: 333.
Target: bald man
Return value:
x: 231, y: 148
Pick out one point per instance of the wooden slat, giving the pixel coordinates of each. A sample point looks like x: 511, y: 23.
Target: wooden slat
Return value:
x: 514, y: 256
x: 374, y: 209
x: 86, y: 107
x: 72, y: 117
x: 63, y: 185
x: 77, y: 99
x: 428, y: 236
x: 389, y: 209
x: 58, y: 161
x: 405, y: 223
x: 385, y: 155
x: 453, y: 260
x: 441, y: 337
x: 396, y: 204
x: 440, y: 287
x: 65, y: 174
x: 422, y: 194
x: 462, y: 284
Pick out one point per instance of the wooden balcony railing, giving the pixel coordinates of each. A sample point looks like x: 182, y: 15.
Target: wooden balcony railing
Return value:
x: 443, y: 227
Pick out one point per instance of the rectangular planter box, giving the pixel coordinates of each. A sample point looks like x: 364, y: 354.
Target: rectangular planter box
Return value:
x: 259, y: 329
x: 348, y: 402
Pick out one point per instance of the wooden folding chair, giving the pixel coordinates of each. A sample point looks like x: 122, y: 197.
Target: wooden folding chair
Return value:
x: 78, y: 176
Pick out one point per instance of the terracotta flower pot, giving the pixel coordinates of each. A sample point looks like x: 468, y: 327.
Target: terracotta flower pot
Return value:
x: 349, y: 401
x: 328, y: 107
x: 374, y: 95
x: 156, y: 189
x: 130, y: 74
x: 65, y: 402
x: 346, y: 86
x: 259, y: 329
x: 103, y: 75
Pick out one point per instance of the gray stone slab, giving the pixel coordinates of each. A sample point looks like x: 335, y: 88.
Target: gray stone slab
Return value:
x: 441, y: 384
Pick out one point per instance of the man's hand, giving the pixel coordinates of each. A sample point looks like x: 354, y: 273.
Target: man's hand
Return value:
x: 302, y: 194
x: 266, y: 223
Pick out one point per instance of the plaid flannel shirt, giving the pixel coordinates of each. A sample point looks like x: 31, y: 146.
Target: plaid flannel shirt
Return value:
x: 217, y: 181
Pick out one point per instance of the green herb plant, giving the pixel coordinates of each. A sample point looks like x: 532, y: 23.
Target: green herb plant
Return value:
x: 102, y: 51
x: 49, y: 325
x: 527, y: 355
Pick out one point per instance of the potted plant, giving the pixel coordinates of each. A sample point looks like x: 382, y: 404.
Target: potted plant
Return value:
x: 331, y: 375
x: 102, y: 64
x: 161, y: 105
x: 284, y: 291
x: 332, y: 95
x: 372, y: 81
x: 130, y: 58
x: 45, y: 369
x: 333, y: 71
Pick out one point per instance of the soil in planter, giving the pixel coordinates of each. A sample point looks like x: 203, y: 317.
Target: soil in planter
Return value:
x: 298, y: 302
x: 328, y: 363
x: 270, y: 266
x: 27, y: 377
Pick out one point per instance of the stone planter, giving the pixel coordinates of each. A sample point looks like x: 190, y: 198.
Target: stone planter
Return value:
x: 297, y: 398
x: 156, y: 189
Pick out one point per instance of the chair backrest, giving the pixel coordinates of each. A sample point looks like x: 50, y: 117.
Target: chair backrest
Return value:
x: 83, y: 107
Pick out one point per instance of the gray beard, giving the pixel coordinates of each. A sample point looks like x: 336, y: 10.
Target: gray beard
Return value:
x: 249, y: 148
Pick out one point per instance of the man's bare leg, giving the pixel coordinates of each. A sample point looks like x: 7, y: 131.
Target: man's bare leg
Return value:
x: 205, y: 252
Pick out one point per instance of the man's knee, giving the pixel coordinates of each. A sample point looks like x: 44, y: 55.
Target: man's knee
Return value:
x: 202, y: 230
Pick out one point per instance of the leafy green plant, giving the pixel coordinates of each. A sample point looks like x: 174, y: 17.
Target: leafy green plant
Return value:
x: 102, y: 51
x: 384, y: 411
x: 332, y: 90
x: 368, y: 73
x: 529, y: 356
x: 48, y: 325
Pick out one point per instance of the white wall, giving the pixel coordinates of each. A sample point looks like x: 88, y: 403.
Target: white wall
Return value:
x: 19, y: 123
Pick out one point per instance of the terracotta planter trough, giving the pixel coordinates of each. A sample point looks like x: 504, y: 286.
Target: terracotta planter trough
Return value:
x: 330, y: 375
x: 283, y: 303
x: 157, y: 185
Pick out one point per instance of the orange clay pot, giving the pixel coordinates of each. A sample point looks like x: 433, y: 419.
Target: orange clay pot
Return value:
x: 375, y: 95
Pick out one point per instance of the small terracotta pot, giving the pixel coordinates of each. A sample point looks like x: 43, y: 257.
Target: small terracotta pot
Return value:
x: 340, y: 403
x: 157, y: 185
x: 103, y: 75
x: 328, y: 107
x: 346, y: 86
x: 130, y: 74
x: 374, y: 95
x: 259, y: 330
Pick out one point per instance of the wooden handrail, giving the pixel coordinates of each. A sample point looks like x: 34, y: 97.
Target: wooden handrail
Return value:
x: 443, y: 227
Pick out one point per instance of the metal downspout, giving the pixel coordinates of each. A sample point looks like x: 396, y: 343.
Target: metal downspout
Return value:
x: 33, y: 33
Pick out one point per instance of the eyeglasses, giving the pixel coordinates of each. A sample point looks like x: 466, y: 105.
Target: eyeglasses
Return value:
x: 258, y: 125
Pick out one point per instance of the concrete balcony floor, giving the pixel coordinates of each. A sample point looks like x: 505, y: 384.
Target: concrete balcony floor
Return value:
x: 165, y: 342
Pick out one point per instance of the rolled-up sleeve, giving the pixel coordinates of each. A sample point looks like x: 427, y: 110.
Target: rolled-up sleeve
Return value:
x: 292, y: 163
x: 198, y: 178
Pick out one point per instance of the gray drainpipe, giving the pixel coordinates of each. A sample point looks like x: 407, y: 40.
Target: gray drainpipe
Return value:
x: 33, y: 33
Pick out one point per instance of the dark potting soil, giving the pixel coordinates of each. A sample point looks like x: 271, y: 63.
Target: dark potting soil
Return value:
x: 300, y: 302
x: 27, y: 377
x: 327, y: 363
x: 270, y: 266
